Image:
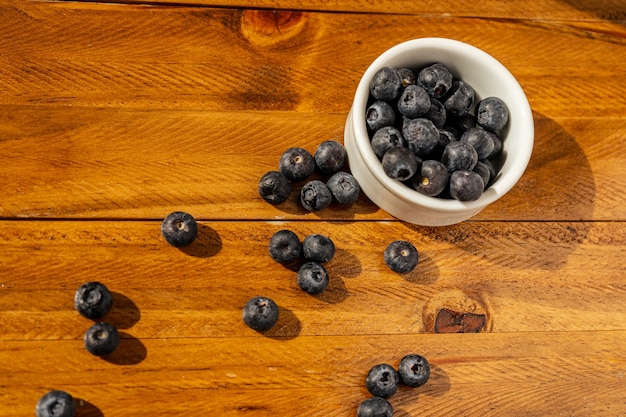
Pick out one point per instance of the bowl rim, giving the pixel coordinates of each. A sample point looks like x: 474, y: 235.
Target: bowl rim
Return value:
x: 523, y: 114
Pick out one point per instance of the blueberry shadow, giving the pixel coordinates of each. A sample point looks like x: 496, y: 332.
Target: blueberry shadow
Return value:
x: 131, y: 351
x: 425, y: 273
x: 336, y: 292
x: 345, y: 264
x: 206, y: 245
x: 615, y: 15
x: 406, y: 401
x: 124, y: 313
x: 86, y: 409
x: 287, y: 327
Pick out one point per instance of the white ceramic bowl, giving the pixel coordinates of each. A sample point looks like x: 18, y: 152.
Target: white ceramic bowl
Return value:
x: 488, y: 77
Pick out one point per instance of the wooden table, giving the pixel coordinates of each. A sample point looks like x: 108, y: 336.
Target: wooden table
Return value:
x: 114, y: 115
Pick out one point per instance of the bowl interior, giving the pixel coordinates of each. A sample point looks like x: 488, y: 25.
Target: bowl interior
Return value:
x: 488, y: 77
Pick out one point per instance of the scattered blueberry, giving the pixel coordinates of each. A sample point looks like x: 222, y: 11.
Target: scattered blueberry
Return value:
x: 466, y: 185
x: 344, y: 187
x: 414, y: 370
x: 492, y: 114
x: 274, y: 187
x: 285, y: 247
x: 296, y: 164
x: 56, y: 403
x: 93, y: 300
x: 414, y: 102
x: 375, y: 407
x: 401, y: 256
x: 315, y: 196
x: 260, y: 313
x: 386, y: 138
x: 101, y: 339
x: 312, y: 277
x: 480, y: 140
x: 432, y: 178
x: 379, y: 114
x: 386, y: 84
x: 459, y: 155
x: 421, y: 135
x: 382, y: 380
x: 400, y: 163
x: 330, y: 156
x: 179, y: 229
x: 318, y: 248
x: 460, y: 100
x: 436, y: 80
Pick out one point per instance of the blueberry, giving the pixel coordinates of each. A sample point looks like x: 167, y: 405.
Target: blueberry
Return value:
x: 421, y: 135
x: 379, y: 114
x: 445, y: 137
x: 330, y: 156
x: 461, y: 124
x: 480, y: 139
x: 375, y: 407
x: 432, y: 178
x: 497, y: 145
x: 414, y: 102
x: 296, y: 164
x: 101, y: 339
x: 274, y: 187
x: 344, y: 187
x: 484, y: 171
x: 285, y: 247
x: 315, y: 195
x: 414, y: 370
x: 386, y: 138
x: 93, y: 300
x: 56, y: 403
x: 382, y: 380
x: 492, y: 171
x: 179, y: 229
x: 408, y: 76
x: 318, y: 248
x: 492, y: 114
x: 436, y: 80
x: 466, y: 185
x: 400, y: 163
x: 386, y: 84
x: 460, y: 99
x: 459, y: 155
x: 401, y: 256
x: 437, y: 113
x: 312, y: 278
x: 260, y: 313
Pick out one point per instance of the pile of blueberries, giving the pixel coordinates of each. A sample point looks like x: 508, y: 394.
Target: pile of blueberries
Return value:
x: 297, y: 164
x: 423, y: 131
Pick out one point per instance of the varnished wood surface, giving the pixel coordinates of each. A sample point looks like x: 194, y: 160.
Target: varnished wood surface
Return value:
x: 113, y: 114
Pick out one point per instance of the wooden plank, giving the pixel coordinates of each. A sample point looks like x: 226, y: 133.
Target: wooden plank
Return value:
x: 66, y: 162
x: 521, y: 276
x: 534, y: 374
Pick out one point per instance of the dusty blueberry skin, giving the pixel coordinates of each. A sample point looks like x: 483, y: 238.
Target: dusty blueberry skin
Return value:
x: 101, y: 339
x: 414, y: 370
x: 330, y: 156
x: 386, y: 84
x: 382, y: 380
x: 480, y: 139
x: 344, y: 188
x: 379, y: 114
x: 260, y: 313
x: 296, y: 164
x: 274, y: 187
x: 460, y: 100
x: 492, y: 171
x: 56, y: 403
x: 436, y: 80
x: 497, y: 145
x: 466, y: 185
x: 375, y: 407
x: 93, y: 300
x: 421, y: 135
x: 285, y: 247
x: 313, y: 278
x: 315, y: 196
x: 179, y: 229
x: 432, y: 178
x: 400, y: 163
x: 401, y: 256
x: 492, y: 114
x: 483, y: 170
x: 318, y: 248
x: 437, y: 113
x: 414, y: 102
x: 459, y: 156
x: 408, y: 76
x: 386, y: 138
